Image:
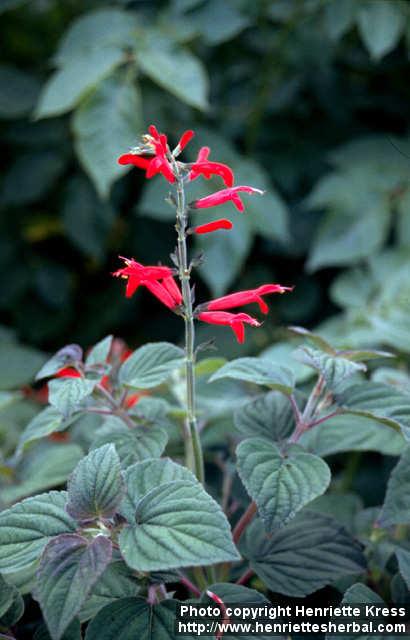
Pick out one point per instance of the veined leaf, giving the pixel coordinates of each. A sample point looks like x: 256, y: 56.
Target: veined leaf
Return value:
x: 259, y: 371
x: 335, y: 369
x: 95, y: 487
x: 269, y: 415
x: 309, y: 553
x: 69, y: 568
x: 26, y: 527
x: 142, y: 477
x: 67, y: 394
x: 132, y: 445
x: 131, y: 618
x: 99, y: 353
x: 396, y: 506
x: 151, y: 365
x: 177, y: 525
x: 280, y: 483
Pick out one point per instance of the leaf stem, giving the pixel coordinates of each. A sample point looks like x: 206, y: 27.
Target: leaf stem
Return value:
x: 244, y: 521
x: 193, y: 448
x: 190, y: 585
x: 245, y: 577
x: 116, y: 407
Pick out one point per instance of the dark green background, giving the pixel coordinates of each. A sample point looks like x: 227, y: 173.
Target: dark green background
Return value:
x: 307, y: 98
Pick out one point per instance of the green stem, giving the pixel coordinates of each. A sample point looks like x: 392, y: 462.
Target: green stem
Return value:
x: 193, y: 448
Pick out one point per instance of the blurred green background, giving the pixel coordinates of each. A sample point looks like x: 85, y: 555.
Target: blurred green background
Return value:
x: 308, y: 99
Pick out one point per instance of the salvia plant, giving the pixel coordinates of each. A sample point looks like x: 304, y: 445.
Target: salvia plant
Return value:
x: 136, y: 531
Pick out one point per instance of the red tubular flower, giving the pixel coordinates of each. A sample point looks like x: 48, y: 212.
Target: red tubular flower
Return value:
x: 206, y: 168
x: 185, y: 139
x: 212, y: 226
x: 154, y: 144
x: 226, y: 195
x: 159, y: 280
x: 246, y: 297
x: 234, y: 320
x: 68, y: 372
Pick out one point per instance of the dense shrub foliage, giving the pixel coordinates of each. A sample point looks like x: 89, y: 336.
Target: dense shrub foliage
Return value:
x: 106, y: 521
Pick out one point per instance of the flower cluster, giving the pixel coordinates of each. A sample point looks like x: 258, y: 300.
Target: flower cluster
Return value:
x: 155, y: 157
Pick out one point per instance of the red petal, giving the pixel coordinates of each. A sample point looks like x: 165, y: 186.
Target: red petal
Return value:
x: 239, y: 331
x: 213, y: 226
x: 159, y: 291
x: 133, y: 158
x: 185, y: 139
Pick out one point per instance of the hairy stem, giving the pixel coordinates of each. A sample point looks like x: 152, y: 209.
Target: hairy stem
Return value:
x: 193, y: 448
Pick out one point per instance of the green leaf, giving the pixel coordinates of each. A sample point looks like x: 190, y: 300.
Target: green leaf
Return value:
x: 344, y: 238
x: 73, y: 632
x: 143, y: 477
x: 396, y: 506
x: 379, y: 402
x: 26, y: 528
x: 151, y: 365
x: 269, y: 416
x: 87, y: 221
x: 309, y: 553
x: 11, y: 606
x: 132, y: 445
x: 359, y: 594
x: 43, y: 424
x: 352, y: 433
x: 280, y: 483
x: 259, y: 371
x: 7, y: 593
x: 381, y: 23
x: 46, y: 466
x: 236, y: 594
x: 177, y: 525
x: 69, y: 568
x: 339, y: 17
x: 131, y: 618
x: 219, y: 22
x: 18, y: 365
x: 317, y: 340
x: 116, y: 582
x: 107, y: 27
x: 18, y: 92
x: 104, y: 126
x: 67, y: 394
x: 334, y: 369
x: 80, y: 74
x: 403, y: 558
x: 65, y: 357
x: 99, y: 353
x: 173, y: 68
x: 95, y: 488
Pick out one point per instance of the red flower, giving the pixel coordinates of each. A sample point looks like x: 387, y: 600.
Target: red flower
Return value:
x: 155, y: 144
x: 246, y: 297
x: 207, y: 168
x: 219, y: 197
x: 212, y: 226
x: 183, y: 141
x: 159, y: 280
x: 68, y: 372
x: 234, y: 320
